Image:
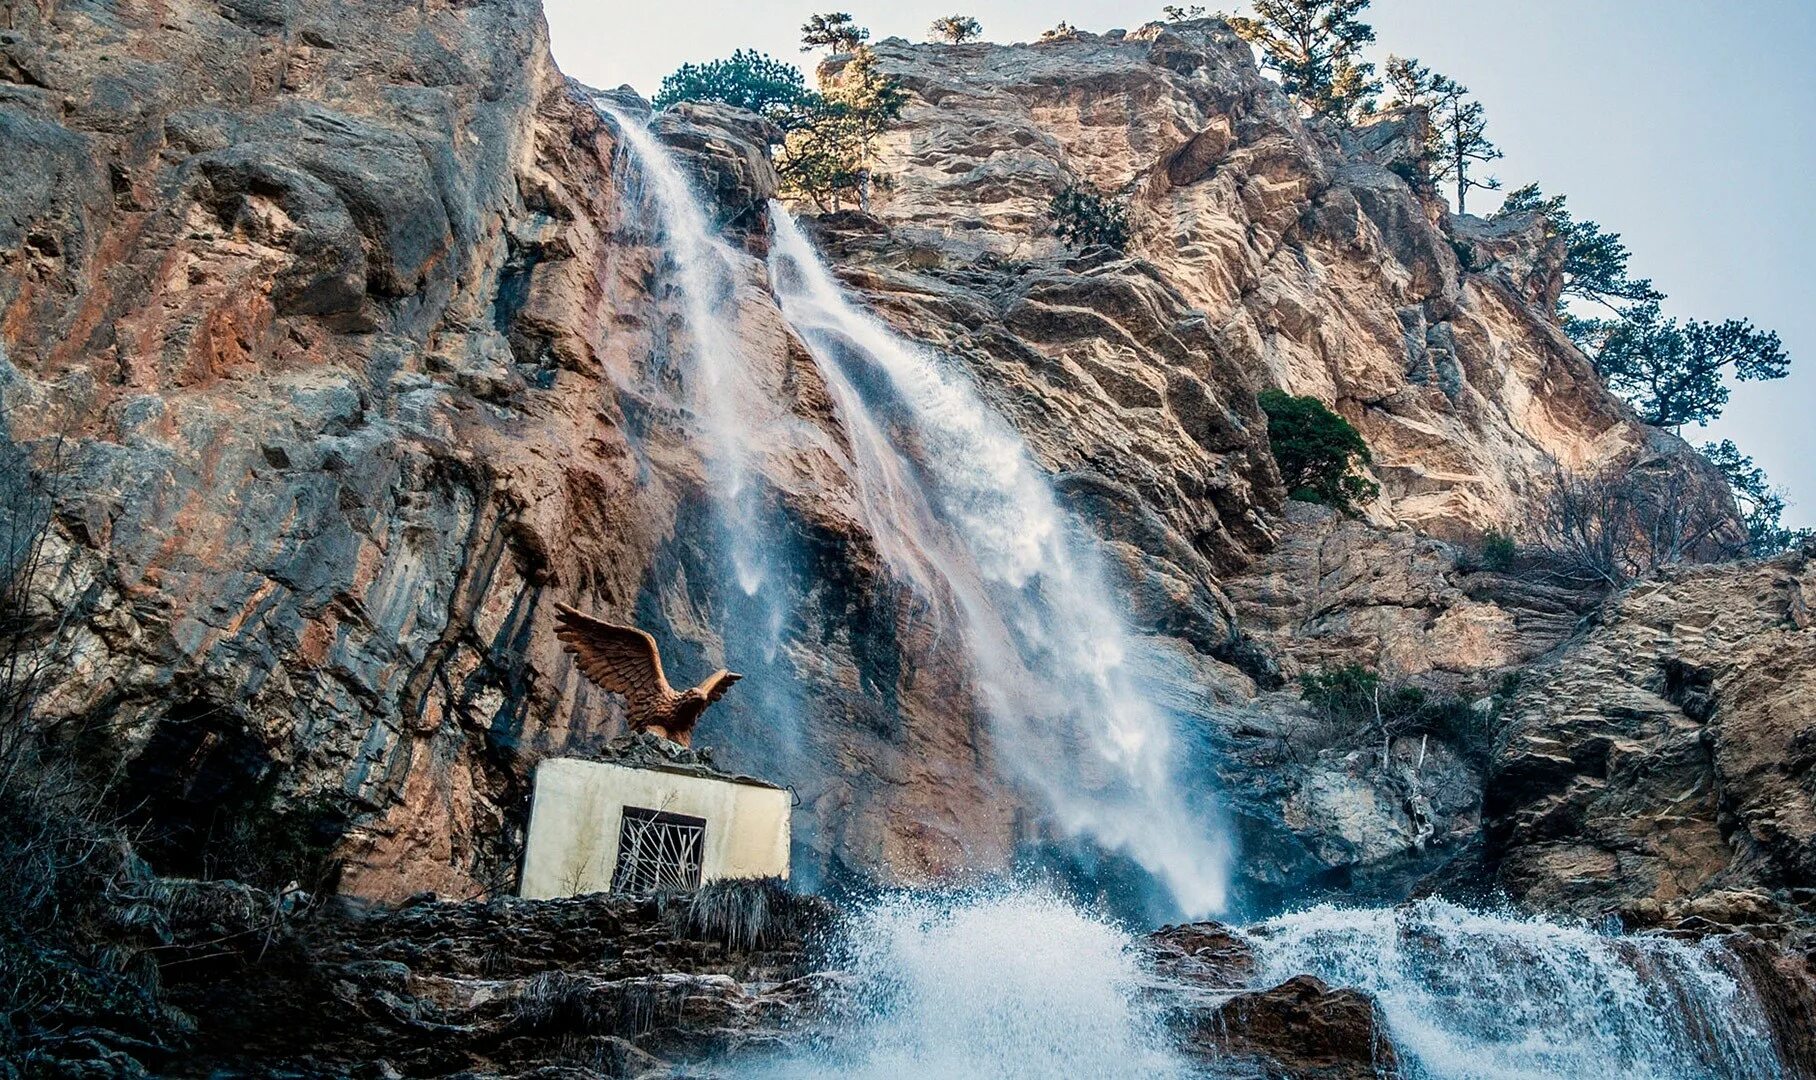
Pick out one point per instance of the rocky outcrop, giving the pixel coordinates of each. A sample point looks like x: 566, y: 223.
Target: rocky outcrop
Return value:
x: 254, y: 984
x: 1661, y: 765
x: 1301, y: 1028
x: 1311, y: 260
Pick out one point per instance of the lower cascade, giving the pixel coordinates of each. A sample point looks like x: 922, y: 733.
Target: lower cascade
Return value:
x: 1473, y: 996
x: 1018, y: 983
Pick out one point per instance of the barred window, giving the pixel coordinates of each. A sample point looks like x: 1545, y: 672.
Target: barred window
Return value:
x: 658, y: 850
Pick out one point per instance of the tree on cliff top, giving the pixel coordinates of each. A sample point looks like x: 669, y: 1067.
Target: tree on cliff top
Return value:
x: 1458, y: 140
x: 1319, y: 452
x: 955, y: 28
x: 1672, y: 372
x: 833, y: 150
x: 749, y: 80
x: 1316, y: 46
x: 833, y: 31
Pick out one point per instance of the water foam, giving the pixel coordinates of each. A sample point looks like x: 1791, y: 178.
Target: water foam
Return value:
x: 1012, y: 985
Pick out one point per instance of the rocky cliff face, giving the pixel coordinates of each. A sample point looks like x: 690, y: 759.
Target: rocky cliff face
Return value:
x: 1662, y: 766
x: 356, y: 351
x: 1304, y: 254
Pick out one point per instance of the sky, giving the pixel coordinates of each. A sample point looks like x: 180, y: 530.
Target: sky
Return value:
x: 1684, y: 125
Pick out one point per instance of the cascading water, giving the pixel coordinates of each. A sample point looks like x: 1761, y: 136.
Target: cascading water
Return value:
x: 1470, y: 996
x: 725, y: 406
x: 967, y: 516
x: 745, y: 562
x: 1001, y: 986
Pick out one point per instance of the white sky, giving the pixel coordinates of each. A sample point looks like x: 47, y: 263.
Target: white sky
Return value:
x: 1683, y: 125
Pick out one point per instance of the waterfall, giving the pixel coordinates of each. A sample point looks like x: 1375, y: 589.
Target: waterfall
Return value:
x: 1003, y: 986
x: 729, y: 414
x: 1472, y: 996
x: 961, y: 510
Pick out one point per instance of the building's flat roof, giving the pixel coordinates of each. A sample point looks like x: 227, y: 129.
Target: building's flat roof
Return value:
x: 641, y: 750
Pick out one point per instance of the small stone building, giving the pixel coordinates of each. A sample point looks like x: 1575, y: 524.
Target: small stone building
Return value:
x: 650, y: 818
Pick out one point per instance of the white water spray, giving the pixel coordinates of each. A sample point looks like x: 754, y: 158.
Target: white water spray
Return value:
x: 1009, y: 986
x: 961, y: 510
x: 1471, y: 996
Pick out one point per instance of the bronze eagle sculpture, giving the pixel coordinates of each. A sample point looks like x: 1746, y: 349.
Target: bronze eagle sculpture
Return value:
x: 624, y: 660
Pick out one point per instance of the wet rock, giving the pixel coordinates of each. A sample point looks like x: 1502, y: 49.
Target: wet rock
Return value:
x: 1302, y: 1029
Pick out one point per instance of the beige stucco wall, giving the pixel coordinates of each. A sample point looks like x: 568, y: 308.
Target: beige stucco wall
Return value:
x: 578, y: 807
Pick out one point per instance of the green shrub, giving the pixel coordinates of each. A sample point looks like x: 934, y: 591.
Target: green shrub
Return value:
x: 1086, y: 217
x: 1498, y: 551
x: 1357, y: 696
x: 1318, y: 452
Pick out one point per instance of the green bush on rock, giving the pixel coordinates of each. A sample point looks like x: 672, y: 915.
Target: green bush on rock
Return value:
x: 1318, y: 452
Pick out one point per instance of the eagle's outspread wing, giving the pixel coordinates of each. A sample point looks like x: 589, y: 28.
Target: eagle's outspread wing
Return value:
x: 622, y: 659
x: 715, y: 687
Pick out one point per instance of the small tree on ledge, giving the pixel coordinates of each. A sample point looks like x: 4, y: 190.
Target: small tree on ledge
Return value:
x: 1086, y: 217
x: 833, y: 31
x: 1316, y: 46
x: 956, y: 29
x: 1319, y: 453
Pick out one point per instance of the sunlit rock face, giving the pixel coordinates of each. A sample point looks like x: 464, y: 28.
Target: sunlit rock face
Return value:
x: 364, y: 353
x: 1315, y: 265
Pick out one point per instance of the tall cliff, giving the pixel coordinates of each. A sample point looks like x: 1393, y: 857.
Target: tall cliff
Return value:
x: 344, y: 338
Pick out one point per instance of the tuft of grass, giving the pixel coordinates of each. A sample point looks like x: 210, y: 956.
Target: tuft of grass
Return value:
x: 744, y: 914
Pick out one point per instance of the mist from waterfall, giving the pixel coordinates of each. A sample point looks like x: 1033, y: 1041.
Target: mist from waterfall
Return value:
x: 1472, y: 996
x: 707, y: 275
x: 961, y: 510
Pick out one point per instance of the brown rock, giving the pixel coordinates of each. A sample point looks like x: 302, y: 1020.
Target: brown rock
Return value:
x: 1301, y: 1029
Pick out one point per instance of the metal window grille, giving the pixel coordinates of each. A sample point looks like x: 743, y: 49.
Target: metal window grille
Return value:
x: 657, y: 850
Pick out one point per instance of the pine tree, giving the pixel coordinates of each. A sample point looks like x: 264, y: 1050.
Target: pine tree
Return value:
x: 832, y: 151
x: 1762, y: 506
x: 749, y: 80
x: 956, y: 28
x: 1672, y: 372
x: 834, y: 31
x: 1316, y: 46
x: 1459, y: 126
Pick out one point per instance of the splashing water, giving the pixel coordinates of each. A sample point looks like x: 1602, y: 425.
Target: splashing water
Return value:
x: 1471, y: 996
x: 1001, y: 986
x: 971, y: 520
